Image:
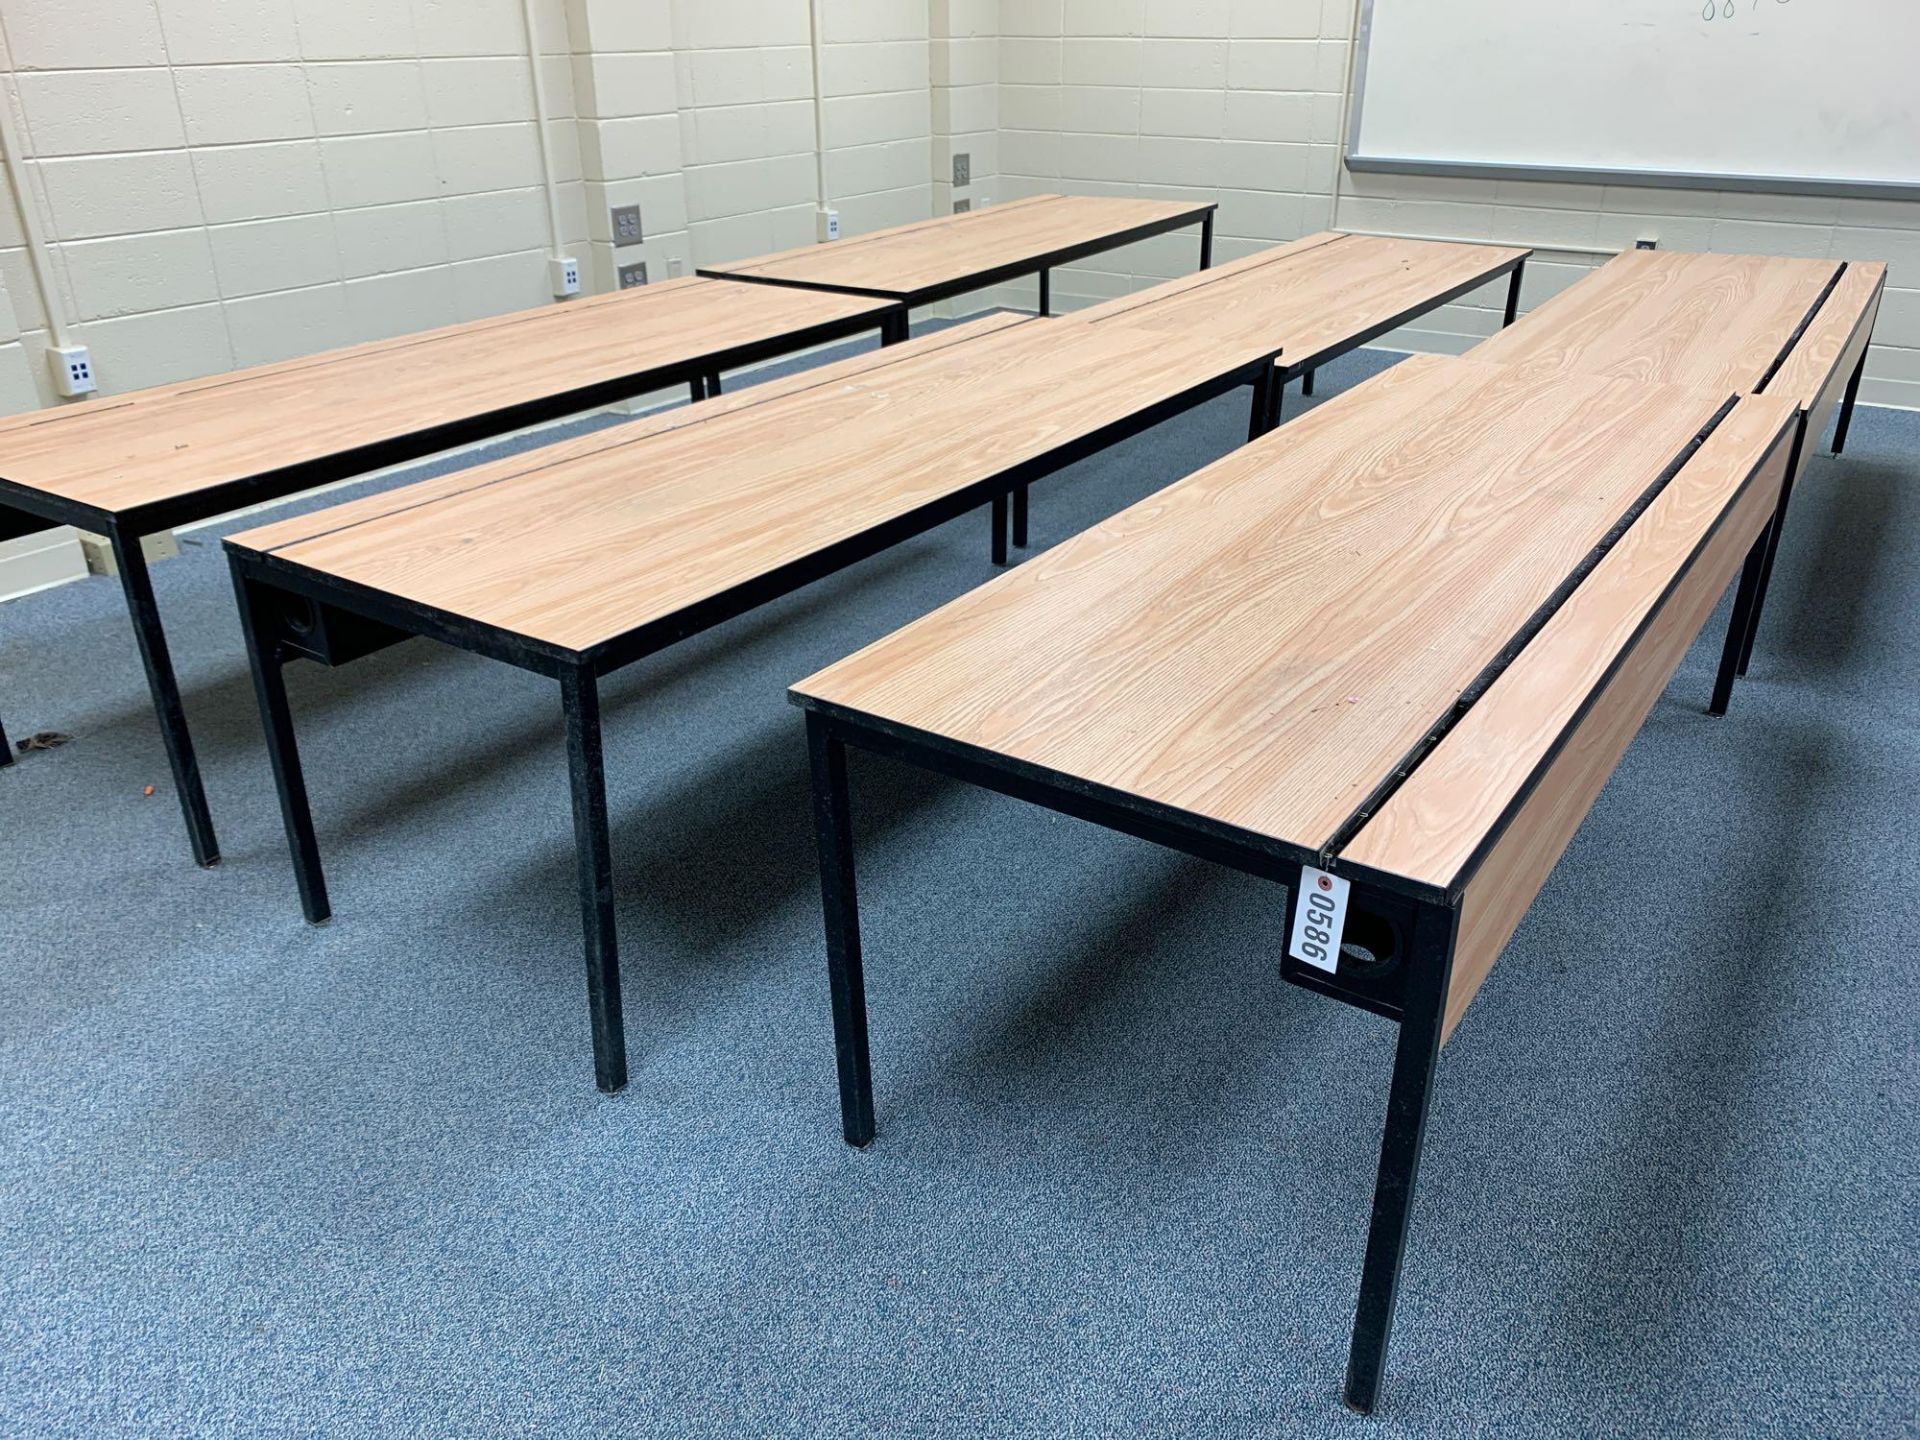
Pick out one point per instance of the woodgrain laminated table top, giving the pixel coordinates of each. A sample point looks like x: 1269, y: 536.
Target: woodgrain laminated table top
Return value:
x: 1734, y: 323
x: 149, y: 446
x: 1267, y: 642
x: 952, y: 251
x: 585, y: 542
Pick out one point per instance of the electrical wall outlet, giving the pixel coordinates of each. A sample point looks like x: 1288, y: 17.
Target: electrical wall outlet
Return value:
x: 632, y: 275
x: 961, y: 207
x: 826, y: 224
x: 963, y: 169
x: 1647, y: 242
x: 72, y: 367
x: 564, y: 271
x: 626, y: 225
x: 675, y: 267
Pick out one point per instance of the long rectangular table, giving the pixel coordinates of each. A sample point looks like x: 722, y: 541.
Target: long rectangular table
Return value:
x: 1386, y: 656
x: 1345, y: 291
x: 131, y: 465
x: 929, y: 260
x: 589, y: 555
x: 1352, y: 292
x: 1754, y: 324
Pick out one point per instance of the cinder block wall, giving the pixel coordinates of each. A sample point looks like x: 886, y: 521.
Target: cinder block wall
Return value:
x: 231, y: 181
x: 228, y: 182
x: 1245, y: 99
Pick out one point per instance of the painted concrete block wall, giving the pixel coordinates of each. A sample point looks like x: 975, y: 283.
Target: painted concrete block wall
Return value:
x: 746, y: 122
x: 1245, y: 99
x: 626, y: 97
x: 17, y: 390
x: 965, y: 72
x: 229, y: 184
x: 876, y: 87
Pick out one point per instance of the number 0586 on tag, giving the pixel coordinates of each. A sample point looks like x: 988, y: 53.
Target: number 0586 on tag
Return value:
x: 1319, y: 917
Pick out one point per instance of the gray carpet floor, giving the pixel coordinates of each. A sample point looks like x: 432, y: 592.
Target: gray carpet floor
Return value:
x: 259, y: 1178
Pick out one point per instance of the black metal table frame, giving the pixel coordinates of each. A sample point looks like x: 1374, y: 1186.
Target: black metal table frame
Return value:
x: 1038, y: 265
x: 1751, y: 594
x: 124, y: 529
x: 289, y: 612
x: 1405, y: 930
x: 1411, y: 926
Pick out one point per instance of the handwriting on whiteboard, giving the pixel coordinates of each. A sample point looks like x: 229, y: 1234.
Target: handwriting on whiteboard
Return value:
x: 1731, y: 9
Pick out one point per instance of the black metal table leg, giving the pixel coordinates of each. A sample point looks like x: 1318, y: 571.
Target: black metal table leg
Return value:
x: 1020, y: 495
x: 1739, y: 625
x: 1513, y: 295
x: 1847, y: 402
x: 1800, y: 440
x: 1306, y: 383
x: 997, y: 518
x: 266, y: 659
x: 586, y: 770
x: 1206, y: 240
x: 131, y: 561
x: 713, y: 383
x: 833, y: 831
x: 893, y: 329
x: 696, y: 390
x: 1429, y: 967
x: 1751, y: 627
x: 1260, y: 414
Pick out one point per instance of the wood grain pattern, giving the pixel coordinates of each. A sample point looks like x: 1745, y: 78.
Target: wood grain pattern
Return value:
x: 1322, y: 290
x: 559, y: 458
x: 1815, y: 372
x: 576, y: 546
x: 1258, y: 644
x: 1595, y: 625
x: 1717, y: 321
x: 157, y: 444
x: 954, y: 248
x: 1430, y: 828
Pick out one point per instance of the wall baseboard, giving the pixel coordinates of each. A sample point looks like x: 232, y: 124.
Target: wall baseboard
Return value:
x: 40, y: 561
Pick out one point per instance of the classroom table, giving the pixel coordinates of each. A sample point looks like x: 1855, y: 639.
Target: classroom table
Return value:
x: 929, y: 260
x: 134, y: 464
x: 1386, y: 656
x: 1754, y: 324
x: 935, y: 259
x: 949, y: 256
x: 591, y: 554
x: 1348, y: 291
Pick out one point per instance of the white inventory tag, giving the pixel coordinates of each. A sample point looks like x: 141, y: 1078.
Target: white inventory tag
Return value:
x: 1319, y: 916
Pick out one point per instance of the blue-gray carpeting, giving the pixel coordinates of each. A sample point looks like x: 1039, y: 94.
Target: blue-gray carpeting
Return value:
x: 266, y: 1179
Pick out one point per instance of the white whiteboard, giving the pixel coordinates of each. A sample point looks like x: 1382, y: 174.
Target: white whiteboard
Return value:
x: 1820, y: 95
